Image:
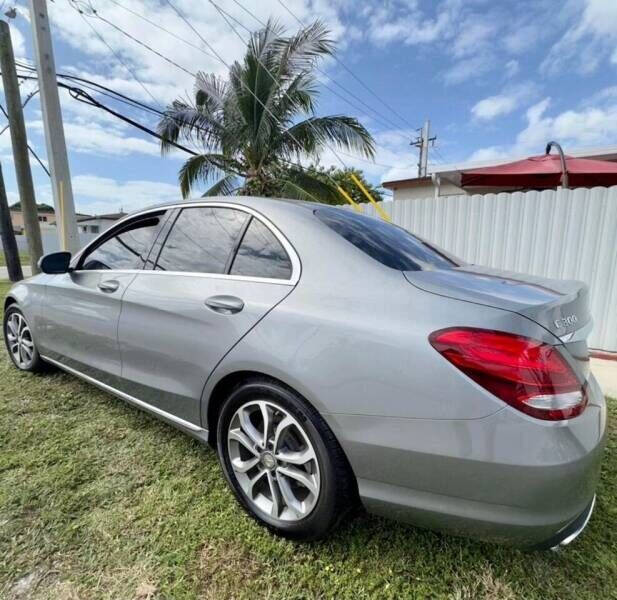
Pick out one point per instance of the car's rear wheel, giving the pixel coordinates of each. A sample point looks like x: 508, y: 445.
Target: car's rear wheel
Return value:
x: 282, y: 461
x: 19, y: 341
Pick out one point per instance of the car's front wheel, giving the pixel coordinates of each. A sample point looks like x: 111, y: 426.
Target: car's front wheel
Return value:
x: 282, y: 461
x: 19, y: 341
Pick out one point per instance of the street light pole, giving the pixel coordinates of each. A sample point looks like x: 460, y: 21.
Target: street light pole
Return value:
x: 54, y: 130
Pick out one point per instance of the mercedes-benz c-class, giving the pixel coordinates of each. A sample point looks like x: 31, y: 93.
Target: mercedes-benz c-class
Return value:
x: 333, y: 358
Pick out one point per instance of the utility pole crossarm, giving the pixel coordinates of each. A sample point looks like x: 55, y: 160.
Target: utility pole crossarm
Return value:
x: 54, y: 130
x: 423, y: 143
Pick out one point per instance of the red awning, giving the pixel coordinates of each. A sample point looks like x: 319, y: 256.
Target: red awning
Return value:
x: 543, y: 171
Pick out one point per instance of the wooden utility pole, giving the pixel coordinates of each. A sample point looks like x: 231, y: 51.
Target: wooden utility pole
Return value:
x: 20, y: 147
x: 9, y: 245
x: 57, y: 158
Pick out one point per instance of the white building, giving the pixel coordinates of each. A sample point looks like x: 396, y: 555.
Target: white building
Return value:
x: 444, y: 180
x: 97, y: 223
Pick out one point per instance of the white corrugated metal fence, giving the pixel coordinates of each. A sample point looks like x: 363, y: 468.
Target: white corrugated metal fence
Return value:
x: 565, y: 234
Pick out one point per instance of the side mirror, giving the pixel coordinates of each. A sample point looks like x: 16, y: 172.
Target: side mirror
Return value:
x: 55, y: 263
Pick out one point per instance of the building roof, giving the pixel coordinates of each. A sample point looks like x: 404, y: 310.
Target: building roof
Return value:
x: 107, y: 217
x: 452, y: 172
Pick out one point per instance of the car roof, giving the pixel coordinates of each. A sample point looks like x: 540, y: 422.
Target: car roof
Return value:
x: 256, y: 202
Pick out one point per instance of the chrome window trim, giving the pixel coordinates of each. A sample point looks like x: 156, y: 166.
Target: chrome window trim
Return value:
x: 296, y: 266
x: 127, y: 397
x: 287, y: 282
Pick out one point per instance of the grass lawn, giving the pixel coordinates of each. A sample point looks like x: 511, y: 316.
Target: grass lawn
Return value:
x: 99, y: 500
x: 24, y: 258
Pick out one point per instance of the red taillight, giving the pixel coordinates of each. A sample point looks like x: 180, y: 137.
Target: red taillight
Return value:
x: 528, y: 374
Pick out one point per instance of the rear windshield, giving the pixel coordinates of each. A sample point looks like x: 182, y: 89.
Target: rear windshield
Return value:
x: 392, y: 246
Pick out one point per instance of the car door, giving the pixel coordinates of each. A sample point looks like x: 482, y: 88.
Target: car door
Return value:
x: 219, y: 271
x: 82, y: 307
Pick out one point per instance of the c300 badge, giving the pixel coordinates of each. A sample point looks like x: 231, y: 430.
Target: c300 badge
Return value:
x: 566, y: 321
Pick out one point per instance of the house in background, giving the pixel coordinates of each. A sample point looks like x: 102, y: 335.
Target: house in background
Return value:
x: 46, y: 214
x: 445, y: 180
x: 97, y: 223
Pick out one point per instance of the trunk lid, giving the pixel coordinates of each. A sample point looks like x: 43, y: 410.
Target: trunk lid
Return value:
x: 561, y: 306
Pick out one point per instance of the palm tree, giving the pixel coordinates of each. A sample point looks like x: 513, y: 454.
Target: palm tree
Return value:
x: 254, y: 127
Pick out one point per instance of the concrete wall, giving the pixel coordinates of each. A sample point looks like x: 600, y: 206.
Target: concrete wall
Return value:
x: 51, y: 242
x: 564, y: 234
x: 426, y: 190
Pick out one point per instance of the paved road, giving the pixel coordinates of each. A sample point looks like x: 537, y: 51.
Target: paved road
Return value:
x: 4, y: 274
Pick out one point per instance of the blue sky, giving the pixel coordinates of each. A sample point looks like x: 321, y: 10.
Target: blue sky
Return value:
x: 497, y: 79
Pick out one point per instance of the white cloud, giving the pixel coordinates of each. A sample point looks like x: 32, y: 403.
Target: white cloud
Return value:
x: 17, y: 39
x: 503, y: 103
x: 512, y: 67
x: 590, y: 39
x: 468, y: 68
x: 99, y: 195
x: 588, y: 126
x: 94, y: 138
x: 471, y: 37
x: 494, y: 106
x: 522, y: 38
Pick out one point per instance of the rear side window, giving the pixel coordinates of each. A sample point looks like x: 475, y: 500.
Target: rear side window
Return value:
x: 125, y: 250
x: 202, y: 240
x: 261, y: 254
x: 392, y: 246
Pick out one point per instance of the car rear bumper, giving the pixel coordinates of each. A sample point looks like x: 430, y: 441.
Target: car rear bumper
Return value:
x: 507, y: 477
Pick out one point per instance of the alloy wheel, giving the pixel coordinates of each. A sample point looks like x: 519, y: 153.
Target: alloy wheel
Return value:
x: 273, y: 460
x: 19, y: 340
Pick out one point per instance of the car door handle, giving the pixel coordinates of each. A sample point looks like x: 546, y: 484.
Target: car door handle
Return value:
x: 109, y: 286
x: 226, y: 305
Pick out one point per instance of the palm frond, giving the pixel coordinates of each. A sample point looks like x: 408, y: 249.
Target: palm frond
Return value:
x: 313, y: 134
x: 300, y: 51
x: 210, y: 91
x: 300, y: 184
x: 202, y: 169
x: 223, y: 187
x: 182, y: 121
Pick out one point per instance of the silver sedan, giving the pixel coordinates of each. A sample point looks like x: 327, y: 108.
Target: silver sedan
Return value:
x: 331, y: 359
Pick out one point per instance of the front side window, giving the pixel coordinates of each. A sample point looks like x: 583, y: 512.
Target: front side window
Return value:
x: 126, y: 250
x: 392, y: 246
x: 202, y: 240
x: 260, y: 254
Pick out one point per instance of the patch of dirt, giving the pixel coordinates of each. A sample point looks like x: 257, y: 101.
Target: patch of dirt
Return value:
x: 225, y: 569
x: 145, y: 591
x: 486, y: 587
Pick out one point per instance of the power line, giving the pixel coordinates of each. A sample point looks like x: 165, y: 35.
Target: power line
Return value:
x: 215, y: 55
x: 388, y: 123
x: 81, y: 96
x: 36, y: 156
x: 141, y: 43
x: 340, y: 62
x: 171, y: 33
x: 29, y: 97
x: 117, y: 56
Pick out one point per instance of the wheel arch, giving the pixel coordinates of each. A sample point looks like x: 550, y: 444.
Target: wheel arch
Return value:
x: 9, y: 301
x: 228, y: 382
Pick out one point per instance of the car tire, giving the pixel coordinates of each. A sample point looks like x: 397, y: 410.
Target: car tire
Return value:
x: 298, y: 500
x: 20, y: 343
